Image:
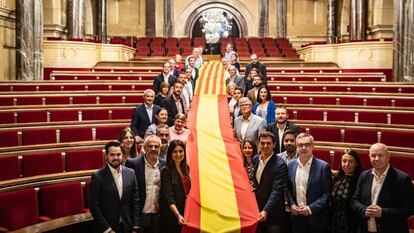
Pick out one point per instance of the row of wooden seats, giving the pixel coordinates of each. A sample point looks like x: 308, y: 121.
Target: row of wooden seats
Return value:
x: 40, y: 163
x: 79, y: 99
x: 346, y: 99
x: 49, y: 136
x: 352, y: 134
x: 72, y: 86
x: 124, y: 112
x: 65, y: 114
x: 28, y: 206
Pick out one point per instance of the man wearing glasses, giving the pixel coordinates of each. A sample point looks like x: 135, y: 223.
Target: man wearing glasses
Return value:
x: 261, y: 68
x: 309, y: 188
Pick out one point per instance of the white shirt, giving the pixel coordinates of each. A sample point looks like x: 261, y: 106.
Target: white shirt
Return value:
x: 301, y: 181
x: 166, y: 76
x: 149, y: 111
x: 245, y: 124
x: 377, y: 182
x: 152, y: 187
x: 281, y: 132
x: 286, y: 158
x: 261, y: 166
x: 117, y: 175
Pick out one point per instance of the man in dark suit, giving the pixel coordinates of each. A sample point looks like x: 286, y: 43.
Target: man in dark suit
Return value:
x: 271, y: 179
x: 174, y: 103
x: 384, y: 196
x: 147, y: 170
x: 144, y: 115
x: 165, y: 76
x: 194, y: 71
x: 261, y: 68
x: 280, y: 126
x: 309, y: 189
x: 248, y: 126
x: 114, y: 196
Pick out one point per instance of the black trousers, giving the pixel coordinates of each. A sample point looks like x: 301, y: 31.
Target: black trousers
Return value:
x: 149, y: 223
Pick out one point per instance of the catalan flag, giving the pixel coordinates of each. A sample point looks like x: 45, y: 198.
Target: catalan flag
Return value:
x: 221, y: 199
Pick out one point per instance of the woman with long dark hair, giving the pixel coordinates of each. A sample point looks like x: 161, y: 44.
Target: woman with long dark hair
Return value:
x: 128, y: 144
x: 175, y: 186
x: 249, y: 150
x: 265, y: 107
x: 344, y: 184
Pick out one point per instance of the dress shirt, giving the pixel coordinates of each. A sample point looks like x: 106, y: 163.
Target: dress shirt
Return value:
x: 377, y: 182
x: 281, y: 132
x: 186, y: 99
x: 261, y: 166
x: 189, y: 87
x: 236, y: 110
x: 182, y: 135
x: 152, y: 187
x: 286, y: 158
x: 301, y: 181
x: 149, y: 111
x: 180, y: 107
x: 117, y: 175
x: 245, y: 124
x: 166, y: 76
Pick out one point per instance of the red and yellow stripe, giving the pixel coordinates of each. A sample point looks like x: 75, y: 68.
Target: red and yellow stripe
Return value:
x: 221, y: 198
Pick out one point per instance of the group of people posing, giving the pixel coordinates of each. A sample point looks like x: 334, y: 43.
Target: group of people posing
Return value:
x: 144, y: 190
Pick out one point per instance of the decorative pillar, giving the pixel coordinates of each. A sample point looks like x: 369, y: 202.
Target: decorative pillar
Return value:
x: 29, y: 36
x: 76, y: 18
x: 168, y: 16
x: 264, y: 18
x: 102, y: 30
x: 403, y: 64
x: 358, y: 20
x: 281, y: 8
x: 150, y: 18
x: 331, y: 23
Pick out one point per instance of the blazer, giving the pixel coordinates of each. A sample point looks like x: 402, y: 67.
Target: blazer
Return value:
x: 239, y: 81
x: 106, y: 206
x: 140, y: 120
x: 318, y: 191
x: 160, y: 79
x: 271, y: 107
x: 273, y: 128
x: 270, y: 192
x: 138, y: 165
x: 252, y: 96
x: 396, y: 199
x: 169, y: 104
x: 170, y: 194
x: 256, y: 125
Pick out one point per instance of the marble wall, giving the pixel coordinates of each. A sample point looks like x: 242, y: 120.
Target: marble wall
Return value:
x: 7, y: 40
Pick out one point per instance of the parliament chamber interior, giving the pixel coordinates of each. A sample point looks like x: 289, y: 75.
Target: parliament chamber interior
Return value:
x: 73, y: 71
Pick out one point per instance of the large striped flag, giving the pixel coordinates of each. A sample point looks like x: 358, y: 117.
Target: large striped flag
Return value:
x: 221, y: 198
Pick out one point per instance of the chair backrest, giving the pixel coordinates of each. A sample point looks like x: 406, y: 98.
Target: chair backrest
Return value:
x: 84, y: 160
x: 18, y: 209
x: 9, y: 168
x: 59, y: 200
x: 39, y: 164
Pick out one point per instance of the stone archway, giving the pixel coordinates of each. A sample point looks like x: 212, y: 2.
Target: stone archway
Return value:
x: 243, y: 17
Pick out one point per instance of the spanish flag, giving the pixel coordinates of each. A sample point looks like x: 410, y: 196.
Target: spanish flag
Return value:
x: 221, y: 199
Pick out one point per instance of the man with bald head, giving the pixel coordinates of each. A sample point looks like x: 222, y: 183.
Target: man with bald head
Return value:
x: 384, y: 196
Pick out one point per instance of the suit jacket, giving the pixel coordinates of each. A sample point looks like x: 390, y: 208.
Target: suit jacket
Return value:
x: 169, y: 104
x: 140, y: 120
x: 270, y: 192
x: 160, y: 79
x: 252, y: 96
x: 271, y: 107
x: 273, y: 128
x: 256, y: 125
x: 170, y: 194
x: 106, y: 206
x: 396, y: 199
x: 260, y: 67
x: 318, y: 191
x: 239, y: 81
x: 138, y: 165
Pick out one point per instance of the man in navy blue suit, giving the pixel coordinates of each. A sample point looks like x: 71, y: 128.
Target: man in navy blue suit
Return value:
x: 271, y: 179
x: 384, y: 196
x: 144, y: 115
x: 309, y: 188
x: 147, y: 170
x: 114, y: 196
